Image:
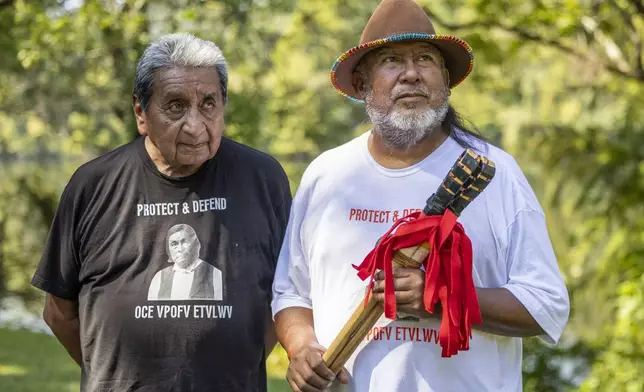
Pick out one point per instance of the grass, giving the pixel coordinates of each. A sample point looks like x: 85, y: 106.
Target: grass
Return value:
x: 35, y: 362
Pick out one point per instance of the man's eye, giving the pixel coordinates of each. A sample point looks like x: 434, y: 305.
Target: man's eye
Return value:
x: 426, y: 57
x: 390, y: 59
x: 209, y: 103
x: 175, y: 107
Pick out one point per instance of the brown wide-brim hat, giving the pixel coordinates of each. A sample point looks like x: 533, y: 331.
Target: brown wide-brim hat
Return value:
x: 398, y: 21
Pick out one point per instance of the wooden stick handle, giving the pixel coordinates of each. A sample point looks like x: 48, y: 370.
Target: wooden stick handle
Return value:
x: 364, y: 318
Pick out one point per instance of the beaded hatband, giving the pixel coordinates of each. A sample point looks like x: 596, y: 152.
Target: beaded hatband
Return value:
x: 400, y: 37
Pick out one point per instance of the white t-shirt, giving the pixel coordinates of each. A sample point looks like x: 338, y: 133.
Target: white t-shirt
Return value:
x: 346, y: 201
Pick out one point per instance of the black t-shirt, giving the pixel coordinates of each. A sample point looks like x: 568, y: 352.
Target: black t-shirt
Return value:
x: 173, y: 276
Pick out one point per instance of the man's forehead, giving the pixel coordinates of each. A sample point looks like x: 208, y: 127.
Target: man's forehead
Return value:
x: 180, y: 233
x: 401, y: 47
x: 178, y: 77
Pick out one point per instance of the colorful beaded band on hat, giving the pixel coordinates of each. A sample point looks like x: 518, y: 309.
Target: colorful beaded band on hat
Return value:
x: 394, y: 38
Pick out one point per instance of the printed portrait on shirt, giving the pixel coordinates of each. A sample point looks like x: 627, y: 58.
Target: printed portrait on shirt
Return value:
x: 188, y: 277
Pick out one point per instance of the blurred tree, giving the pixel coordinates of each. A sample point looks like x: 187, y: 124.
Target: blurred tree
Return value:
x: 560, y: 84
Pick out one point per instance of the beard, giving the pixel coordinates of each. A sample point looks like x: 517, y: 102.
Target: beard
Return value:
x: 401, y: 131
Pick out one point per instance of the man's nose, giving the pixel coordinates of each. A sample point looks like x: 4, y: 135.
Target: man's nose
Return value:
x: 410, y: 73
x: 194, y: 124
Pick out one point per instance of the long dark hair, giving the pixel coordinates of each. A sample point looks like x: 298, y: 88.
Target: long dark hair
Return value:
x: 463, y: 131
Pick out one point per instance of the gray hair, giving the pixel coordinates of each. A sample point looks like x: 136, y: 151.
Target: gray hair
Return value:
x: 177, y: 50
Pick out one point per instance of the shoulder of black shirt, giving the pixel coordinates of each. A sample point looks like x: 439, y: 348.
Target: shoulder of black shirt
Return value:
x: 247, y: 154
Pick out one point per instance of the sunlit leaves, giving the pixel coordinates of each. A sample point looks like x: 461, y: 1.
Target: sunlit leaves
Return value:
x: 555, y: 82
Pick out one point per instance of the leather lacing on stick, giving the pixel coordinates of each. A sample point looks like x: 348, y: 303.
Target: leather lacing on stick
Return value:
x: 448, y: 268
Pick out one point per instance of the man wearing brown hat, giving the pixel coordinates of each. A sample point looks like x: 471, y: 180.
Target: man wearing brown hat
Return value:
x: 351, y: 195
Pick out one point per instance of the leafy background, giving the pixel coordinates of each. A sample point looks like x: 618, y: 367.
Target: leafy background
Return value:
x: 559, y: 84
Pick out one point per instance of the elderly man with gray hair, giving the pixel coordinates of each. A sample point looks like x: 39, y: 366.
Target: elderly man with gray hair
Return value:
x: 114, y: 226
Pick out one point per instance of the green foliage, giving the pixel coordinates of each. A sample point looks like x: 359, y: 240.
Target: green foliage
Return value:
x: 560, y: 84
x: 554, y: 369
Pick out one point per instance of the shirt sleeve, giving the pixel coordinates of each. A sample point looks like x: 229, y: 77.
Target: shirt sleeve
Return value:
x: 281, y: 201
x: 58, y: 270
x: 282, y: 213
x: 291, y: 285
x: 534, y: 276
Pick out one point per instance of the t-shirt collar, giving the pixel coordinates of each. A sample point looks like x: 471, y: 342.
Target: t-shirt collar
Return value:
x: 190, y: 268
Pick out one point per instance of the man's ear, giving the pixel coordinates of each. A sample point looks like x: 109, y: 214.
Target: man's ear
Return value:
x: 140, y: 116
x: 445, y: 75
x: 359, y: 84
